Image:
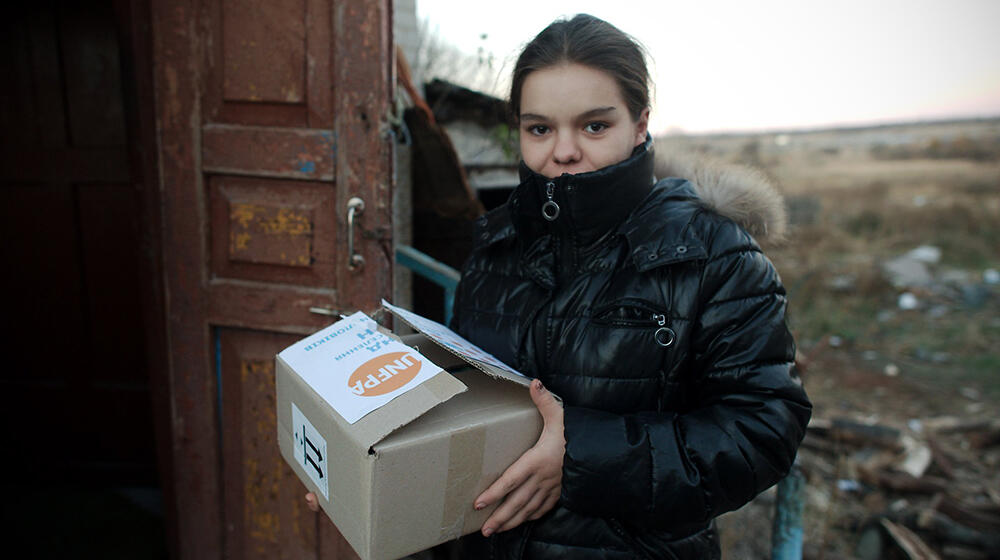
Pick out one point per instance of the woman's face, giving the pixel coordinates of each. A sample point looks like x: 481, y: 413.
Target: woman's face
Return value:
x: 574, y: 119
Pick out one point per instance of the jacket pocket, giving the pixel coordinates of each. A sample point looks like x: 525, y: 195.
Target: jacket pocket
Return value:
x: 634, y: 313
x: 628, y: 312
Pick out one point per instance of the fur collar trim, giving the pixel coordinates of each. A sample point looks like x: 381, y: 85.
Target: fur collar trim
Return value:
x: 740, y: 193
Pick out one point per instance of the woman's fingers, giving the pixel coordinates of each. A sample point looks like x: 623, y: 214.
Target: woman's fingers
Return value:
x: 531, y: 486
x: 509, y: 509
x: 523, y: 512
x: 513, y: 477
x: 312, y: 502
x: 549, y: 503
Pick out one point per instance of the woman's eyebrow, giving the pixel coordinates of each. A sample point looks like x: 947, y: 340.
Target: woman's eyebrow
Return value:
x: 592, y: 113
x: 532, y: 117
x: 598, y: 112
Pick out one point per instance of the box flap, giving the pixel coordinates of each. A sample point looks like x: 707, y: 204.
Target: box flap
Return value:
x: 455, y: 344
x: 375, y: 425
x: 402, y: 410
x: 357, y: 368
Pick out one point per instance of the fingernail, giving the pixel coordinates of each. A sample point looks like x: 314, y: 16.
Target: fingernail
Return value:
x: 487, y: 532
x: 538, y: 385
x: 480, y: 506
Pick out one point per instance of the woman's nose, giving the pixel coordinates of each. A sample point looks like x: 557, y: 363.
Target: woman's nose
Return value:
x: 566, y: 150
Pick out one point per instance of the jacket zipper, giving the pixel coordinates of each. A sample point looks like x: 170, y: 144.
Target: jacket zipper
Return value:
x: 550, y: 209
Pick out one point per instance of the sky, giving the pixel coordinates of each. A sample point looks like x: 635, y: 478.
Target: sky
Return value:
x: 739, y: 65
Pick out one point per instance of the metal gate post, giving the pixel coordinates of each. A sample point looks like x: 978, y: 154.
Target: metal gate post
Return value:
x: 787, y: 533
x: 435, y: 271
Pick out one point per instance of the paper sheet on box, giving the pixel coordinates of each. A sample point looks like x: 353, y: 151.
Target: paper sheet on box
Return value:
x: 355, y: 368
x: 449, y: 338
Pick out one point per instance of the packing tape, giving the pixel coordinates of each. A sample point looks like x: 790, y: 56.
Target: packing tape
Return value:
x: 465, y: 465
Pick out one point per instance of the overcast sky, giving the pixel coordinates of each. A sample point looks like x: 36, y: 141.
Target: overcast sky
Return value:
x: 766, y: 64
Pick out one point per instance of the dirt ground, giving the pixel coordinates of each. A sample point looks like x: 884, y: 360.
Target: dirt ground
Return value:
x: 900, y: 348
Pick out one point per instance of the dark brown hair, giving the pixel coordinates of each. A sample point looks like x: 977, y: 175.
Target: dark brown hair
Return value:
x: 591, y: 42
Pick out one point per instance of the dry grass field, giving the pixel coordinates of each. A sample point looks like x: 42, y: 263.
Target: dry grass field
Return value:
x: 887, y: 336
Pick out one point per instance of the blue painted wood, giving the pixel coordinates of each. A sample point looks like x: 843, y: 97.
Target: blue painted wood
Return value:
x: 787, y: 533
x: 433, y: 270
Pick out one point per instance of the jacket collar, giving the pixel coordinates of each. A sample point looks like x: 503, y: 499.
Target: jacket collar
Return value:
x: 589, y: 204
x: 654, y: 239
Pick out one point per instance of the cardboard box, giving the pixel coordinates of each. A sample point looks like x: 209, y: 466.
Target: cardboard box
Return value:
x: 403, y: 478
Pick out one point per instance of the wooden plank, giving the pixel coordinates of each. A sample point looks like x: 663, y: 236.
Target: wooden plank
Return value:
x: 363, y: 76
x: 177, y: 55
x: 291, y: 153
x: 273, y: 308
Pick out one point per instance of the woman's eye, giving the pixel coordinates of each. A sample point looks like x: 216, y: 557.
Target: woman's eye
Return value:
x: 596, y: 127
x: 538, y: 129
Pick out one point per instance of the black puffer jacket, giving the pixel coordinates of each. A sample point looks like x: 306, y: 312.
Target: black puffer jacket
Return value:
x: 661, y: 325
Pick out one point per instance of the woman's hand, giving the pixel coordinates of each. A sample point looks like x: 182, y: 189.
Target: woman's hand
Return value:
x: 312, y: 502
x: 531, y: 486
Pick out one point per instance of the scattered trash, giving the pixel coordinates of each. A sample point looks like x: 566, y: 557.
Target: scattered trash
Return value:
x: 869, y: 355
x: 842, y: 283
x: 926, y: 254
x: 891, y: 370
x: 908, y: 301
x: 835, y: 341
x: 920, y: 201
x: 904, y: 272
x: 916, y: 457
x: 970, y: 393
x: 848, y: 485
x: 991, y: 276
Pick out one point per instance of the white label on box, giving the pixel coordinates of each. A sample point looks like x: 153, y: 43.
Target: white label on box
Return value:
x: 355, y: 368
x: 310, y: 450
x: 448, y: 338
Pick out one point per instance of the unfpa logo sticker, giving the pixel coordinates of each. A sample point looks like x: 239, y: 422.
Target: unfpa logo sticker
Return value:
x: 384, y: 374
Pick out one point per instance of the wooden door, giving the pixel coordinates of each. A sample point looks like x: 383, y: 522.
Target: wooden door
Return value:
x: 271, y: 115
x: 71, y: 323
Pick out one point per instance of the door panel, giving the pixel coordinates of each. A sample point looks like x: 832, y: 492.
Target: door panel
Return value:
x: 266, y: 515
x: 288, y: 153
x: 273, y: 231
x: 270, y: 63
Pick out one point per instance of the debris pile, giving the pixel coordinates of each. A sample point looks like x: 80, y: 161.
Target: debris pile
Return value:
x: 927, y: 490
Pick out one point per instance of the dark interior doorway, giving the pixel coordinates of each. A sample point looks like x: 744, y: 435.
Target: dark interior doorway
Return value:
x: 78, y: 424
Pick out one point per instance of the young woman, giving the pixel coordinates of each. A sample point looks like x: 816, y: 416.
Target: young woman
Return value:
x: 656, y: 319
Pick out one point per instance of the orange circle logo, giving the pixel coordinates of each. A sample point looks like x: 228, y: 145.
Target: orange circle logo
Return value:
x: 384, y: 374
